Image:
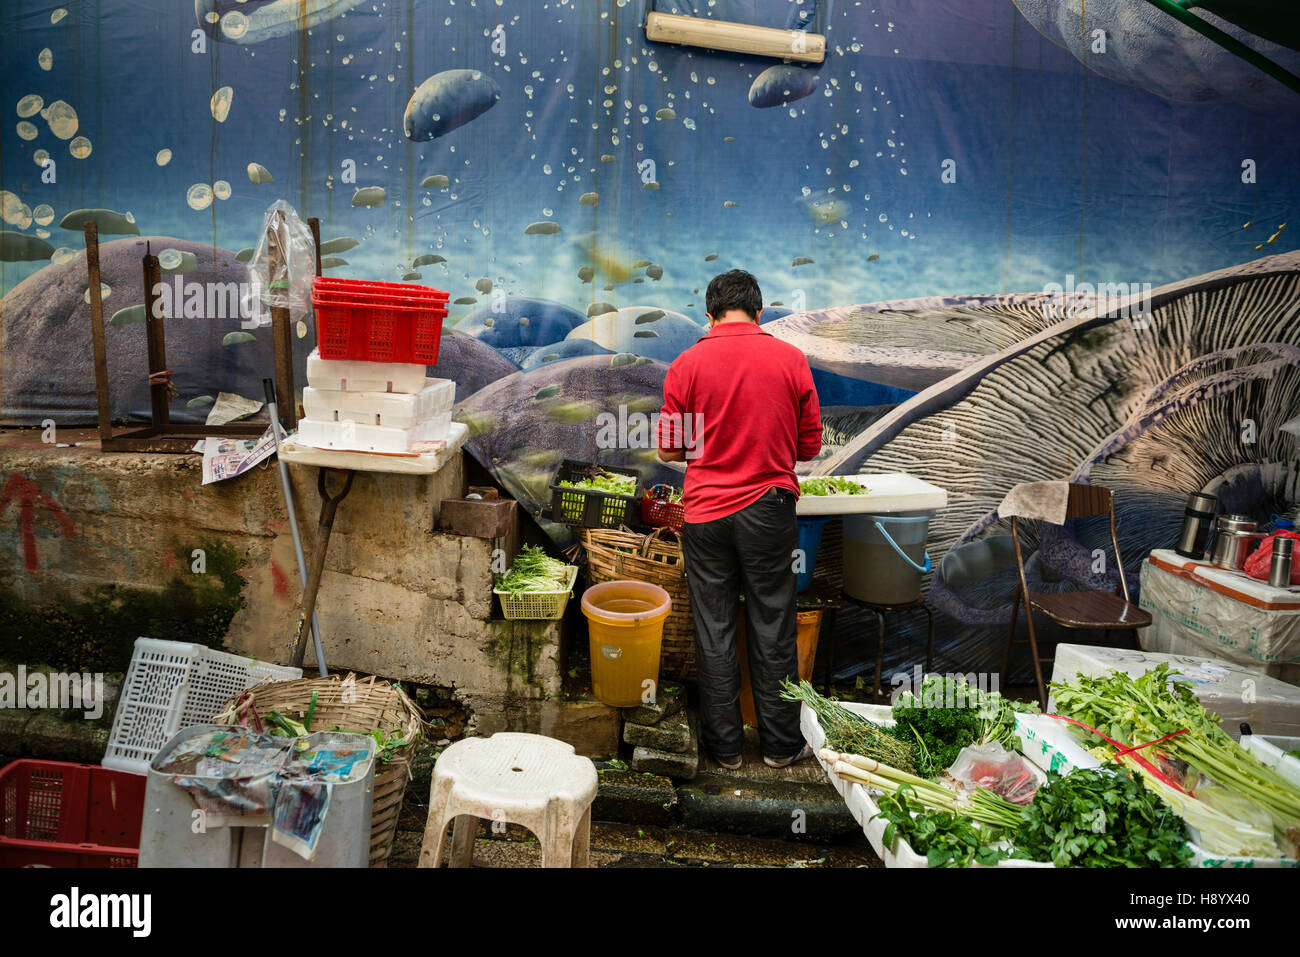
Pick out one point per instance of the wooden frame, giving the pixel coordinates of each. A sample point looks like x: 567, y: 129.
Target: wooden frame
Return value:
x: 1085, y: 501
x: 161, y: 435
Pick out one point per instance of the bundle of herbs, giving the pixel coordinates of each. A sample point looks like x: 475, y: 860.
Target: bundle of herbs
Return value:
x: 850, y: 732
x: 946, y: 839
x: 1158, y: 707
x: 950, y: 714
x: 1095, y: 817
x: 534, y: 570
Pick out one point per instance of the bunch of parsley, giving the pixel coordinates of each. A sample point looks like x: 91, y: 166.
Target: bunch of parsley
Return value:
x: 946, y: 839
x: 1100, y: 818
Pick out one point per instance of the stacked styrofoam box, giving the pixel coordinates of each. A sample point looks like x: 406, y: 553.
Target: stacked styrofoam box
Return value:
x: 373, y: 406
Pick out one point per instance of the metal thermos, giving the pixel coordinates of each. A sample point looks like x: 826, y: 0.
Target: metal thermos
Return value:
x: 1197, y: 520
x: 1279, y: 568
x: 1233, y: 535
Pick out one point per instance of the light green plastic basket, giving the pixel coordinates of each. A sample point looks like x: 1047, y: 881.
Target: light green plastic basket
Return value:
x: 537, y: 605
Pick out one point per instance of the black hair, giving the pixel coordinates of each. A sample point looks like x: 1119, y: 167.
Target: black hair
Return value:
x: 736, y: 289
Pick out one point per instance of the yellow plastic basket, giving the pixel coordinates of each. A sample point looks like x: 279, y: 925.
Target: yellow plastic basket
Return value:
x: 537, y: 605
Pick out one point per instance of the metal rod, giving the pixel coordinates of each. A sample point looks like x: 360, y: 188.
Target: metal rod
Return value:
x: 287, y: 487
x: 316, y: 567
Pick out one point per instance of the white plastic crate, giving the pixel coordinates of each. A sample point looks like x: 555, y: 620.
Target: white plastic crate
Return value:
x: 357, y: 437
x: 172, y: 685
x: 354, y: 375
x: 397, y: 410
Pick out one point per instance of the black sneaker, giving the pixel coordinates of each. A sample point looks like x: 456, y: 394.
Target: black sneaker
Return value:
x: 732, y: 763
x: 803, y: 755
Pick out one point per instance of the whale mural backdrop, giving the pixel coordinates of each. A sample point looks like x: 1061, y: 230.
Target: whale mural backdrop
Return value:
x: 1016, y: 240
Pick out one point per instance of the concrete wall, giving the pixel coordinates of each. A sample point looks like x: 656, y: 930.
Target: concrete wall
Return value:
x: 110, y: 555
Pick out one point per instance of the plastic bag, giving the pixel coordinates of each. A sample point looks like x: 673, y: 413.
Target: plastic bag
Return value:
x: 288, y: 241
x: 1257, y: 564
x: 994, y: 768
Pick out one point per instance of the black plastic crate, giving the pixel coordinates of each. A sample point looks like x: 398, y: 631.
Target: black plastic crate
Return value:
x: 588, y: 508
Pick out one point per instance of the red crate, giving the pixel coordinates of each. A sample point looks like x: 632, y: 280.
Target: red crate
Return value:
x: 377, y: 327
x: 370, y: 287
x: 58, y: 814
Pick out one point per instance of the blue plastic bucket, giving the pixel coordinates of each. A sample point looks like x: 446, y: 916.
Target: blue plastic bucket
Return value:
x: 810, y: 539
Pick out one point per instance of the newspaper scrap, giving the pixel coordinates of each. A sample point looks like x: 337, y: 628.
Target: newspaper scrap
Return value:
x: 225, y: 458
x: 231, y: 407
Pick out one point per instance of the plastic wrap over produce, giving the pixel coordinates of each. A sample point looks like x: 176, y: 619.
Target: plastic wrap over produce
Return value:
x: 283, y: 265
x: 1191, y: 619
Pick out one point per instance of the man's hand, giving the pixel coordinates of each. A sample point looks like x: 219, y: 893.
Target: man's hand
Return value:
x: 672, y: 455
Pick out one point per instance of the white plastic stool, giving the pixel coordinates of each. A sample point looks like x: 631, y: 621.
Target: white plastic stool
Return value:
x: 525, y: 779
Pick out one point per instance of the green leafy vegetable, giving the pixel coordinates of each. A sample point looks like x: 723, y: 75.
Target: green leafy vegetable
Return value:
x: 534, y: 570
x: 846, y: 731
x: 946, y: 839
x: 596, y: 479
x: 832, y: 485
x: 1098, y: 818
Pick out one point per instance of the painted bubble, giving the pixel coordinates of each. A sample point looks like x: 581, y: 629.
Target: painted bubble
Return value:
x: 589, y: 199
x: 45, y: 59
x: 341, y: 244
x: 58, y: 15
x: 800, y: 261
x: 436, y: 181
x: 259, y: 174
x: 730, y: 204
x: 484, y: 285
x: 163, y: 158
x: 20, y: 248
x: 369, y: 196
x: 781, y: 84
x: 221, y: 189
x: 427, y: 259
x: 26, y: 130
x: 62, y: 119
x: 11, y: 206
x: 654, y: 271
x: 104, y: 292
x: 199, y: 196
x: 43, y: 214
x: 235, y: 338
x: 667, y: 113
x: 80, y: 148
x: 543, y: 228
x: 448, y: 100
x: 130, y: 316
x: 30, y: 105
x: 40, y: 156
x: 585, y: 273
x: 198, y: 401
x: 108, y: 221
x: 62, y: 255
x: 710, y: 257
x: 220, y: 103
x: 411, y: 276
x: 234, y: 24
x: 170, y: 258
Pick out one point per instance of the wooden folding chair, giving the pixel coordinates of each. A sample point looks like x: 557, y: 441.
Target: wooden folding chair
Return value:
x: 1095, y: 609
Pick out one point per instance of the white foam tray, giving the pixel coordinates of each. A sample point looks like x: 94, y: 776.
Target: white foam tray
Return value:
x: 350, y: 436
x: 888, y: 492
x: 351, y: 375
x: 1049, y: 744
x: 1271, y: 749
x: 397, y: 410
x: 860, y: 800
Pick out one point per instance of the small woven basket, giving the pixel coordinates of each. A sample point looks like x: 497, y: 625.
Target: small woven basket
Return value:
x: 352, y: 704
x: 620, y: 554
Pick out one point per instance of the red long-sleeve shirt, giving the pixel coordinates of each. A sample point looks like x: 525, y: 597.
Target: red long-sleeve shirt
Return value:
x: 742, y: 405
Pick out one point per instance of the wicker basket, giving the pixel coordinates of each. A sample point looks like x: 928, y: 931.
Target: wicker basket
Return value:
x: 353, y: 704
x: 616, y: 554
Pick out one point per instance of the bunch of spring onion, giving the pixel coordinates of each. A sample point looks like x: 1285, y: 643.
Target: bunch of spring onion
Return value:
x: 534, y: 570
x: 850, y: 732
x: 1135, y: 711
x: 983, y: 805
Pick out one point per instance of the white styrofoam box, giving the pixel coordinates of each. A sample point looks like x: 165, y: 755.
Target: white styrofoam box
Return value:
x: 1049, y: 744
x: 355, y: 375
x: 860, y: 801
x: 397, y: 410
x: 1236, y: 695
x: 889, y: 492
x: 171, y: 685
x: 1271, y: 749
x: 355, y: 437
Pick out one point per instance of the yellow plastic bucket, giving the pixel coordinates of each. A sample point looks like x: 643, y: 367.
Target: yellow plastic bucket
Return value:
x: 625, y: 623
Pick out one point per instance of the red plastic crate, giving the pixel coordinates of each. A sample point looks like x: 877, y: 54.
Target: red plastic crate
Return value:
x: 377, y: 327
x: 59, y: 814
x: 371, y: 287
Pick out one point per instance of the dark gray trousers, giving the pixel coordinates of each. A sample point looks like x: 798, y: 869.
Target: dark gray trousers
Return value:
x: 749, y: 552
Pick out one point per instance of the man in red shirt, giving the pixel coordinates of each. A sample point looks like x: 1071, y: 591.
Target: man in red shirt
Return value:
x: 740, y: 409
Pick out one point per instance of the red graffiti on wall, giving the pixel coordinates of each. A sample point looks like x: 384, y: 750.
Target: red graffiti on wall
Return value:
x: 28, y: 495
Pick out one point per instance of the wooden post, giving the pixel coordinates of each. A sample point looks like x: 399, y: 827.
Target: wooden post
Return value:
x: 281, y: 328
x: 97, y: 330
x: 314, y: 224
x: 159, y: 395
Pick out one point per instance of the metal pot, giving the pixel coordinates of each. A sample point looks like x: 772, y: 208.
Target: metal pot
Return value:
x: 1233, y: 536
